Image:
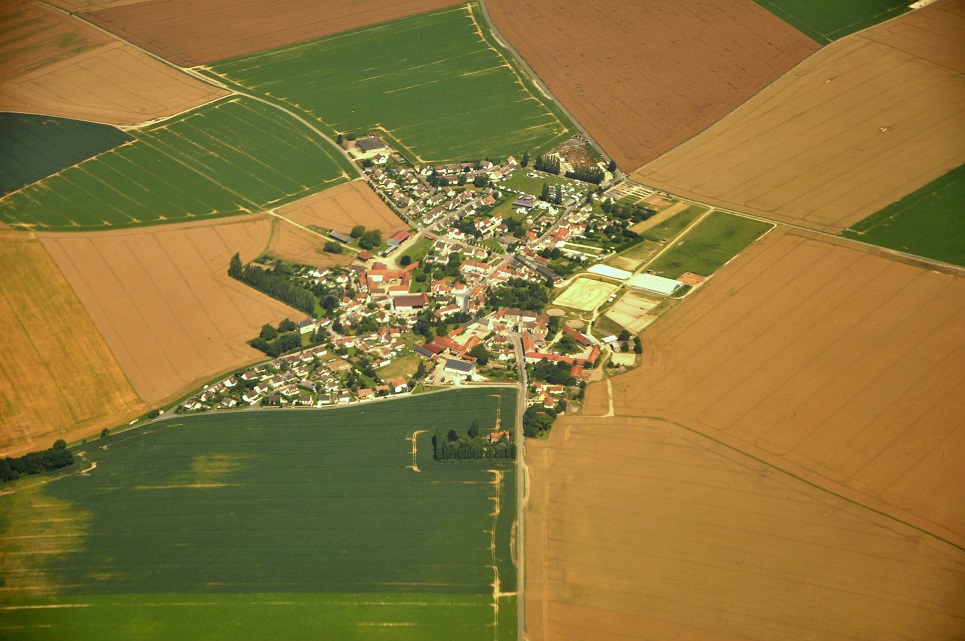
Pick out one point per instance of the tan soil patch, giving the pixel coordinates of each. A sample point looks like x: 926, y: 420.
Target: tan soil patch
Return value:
x: 843, y: 367
x: 163, y: 301
x: 297, y: 245
x: 659, y: 217
x: 575, y: 323
x: 632, y: 311
x: 194, y: 32
x: 657, y: 200
x: 638, y: 529
x: 585, y: 294
x: 555, y: 311
x: 95, y: 78
x: 865, y: 121
x: 575, y: 153
x: 644, y: 77
x: 623, y: 358
x: 343, y: 207
x: 620, y: 262
x: 58, y: 378
x: 690, y: 278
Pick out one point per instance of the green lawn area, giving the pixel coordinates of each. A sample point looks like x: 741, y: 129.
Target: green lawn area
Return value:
x: 675, y: 224
x: 268, y: 524
x: 233, y: 156
x: 826, y: 20
x: 402, y: 367
x: 417, y: 252
x: 34, y: 147
x: 714, y: 241
x: 928, y: 222
x: 436, y: 85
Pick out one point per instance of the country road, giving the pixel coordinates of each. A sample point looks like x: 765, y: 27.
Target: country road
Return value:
x: 520, y: 493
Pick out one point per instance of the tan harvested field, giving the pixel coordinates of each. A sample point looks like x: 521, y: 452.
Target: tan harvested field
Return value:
x: 195, y: 32
x: 644, y: 77
x: 58, y: 379
x: 841, y: 366
x: 53, y: 64
x: 641, y: 530
x: 298, y: 245
x: 859, y: 125
x: 163, y: 301
x: 342, y: 208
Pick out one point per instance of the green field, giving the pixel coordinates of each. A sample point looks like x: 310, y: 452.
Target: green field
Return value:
x: 714, y: 241
x: 436, y: 85
x: 234, y: 156
x: 34, y: 147
x: 826, y: 20
x: 927, y: 222
x: 268, y: 524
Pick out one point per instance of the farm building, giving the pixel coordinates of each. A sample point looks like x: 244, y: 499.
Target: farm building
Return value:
x: 340, y: 236
x: 415, y: 301
x: 655, y: 284
x: 610, y: 272
x: 371, y: 143
x: 397, y: 238
x: 459, y: 367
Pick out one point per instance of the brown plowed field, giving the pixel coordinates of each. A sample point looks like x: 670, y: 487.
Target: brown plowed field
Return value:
x: 164, y: 303
x: 644, y: 77
x: 641, y: 530
x: 843, y: 367
x: 53, y: 64
x: 856, y: 127
x: 297, y: 245
x: 58, y: 379
x: 342, y: 208
x: 195, y: 32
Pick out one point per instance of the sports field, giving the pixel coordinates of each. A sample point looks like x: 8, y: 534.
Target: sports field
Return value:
x: 255, y: 524
x: 711, y: 243
x: 58, y: 379
x: 231, y: 157
x: 857, y: 126
x: 639, y: 529
x: 827, y: 20
x: 53, y: 63
x: 34, y: 147
x: 436, y: 86
x: 927, y: 222
x: 585, y: 294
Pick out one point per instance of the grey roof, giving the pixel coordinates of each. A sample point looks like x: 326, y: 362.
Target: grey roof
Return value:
x: 369, y: 144
x: 459, y: 366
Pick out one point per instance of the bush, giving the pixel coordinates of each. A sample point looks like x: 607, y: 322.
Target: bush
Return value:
x: 333, y: 248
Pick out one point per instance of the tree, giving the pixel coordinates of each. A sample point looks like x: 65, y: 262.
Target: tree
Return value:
x: 422, y: 370
x: 480, y: 181
x: 268, y: 332
x: 474, y: 428
x: 525, y: 161
x: 567, y: 345
x: 612, y: 167
x: 637, y: 346
x: 481, y: 354
x: 624, y: 336
x: 105, y: 433
x: 60, y: 444
x: 287, y: 325
x: 545, y: 194
x: 559, y: 195
x: 235, y: 267
x: 357, y: 231
x: 406, y: 260
x: 332, y: 247
x: 340, y: 139
x: 452, y: 436
x: 370, y: 239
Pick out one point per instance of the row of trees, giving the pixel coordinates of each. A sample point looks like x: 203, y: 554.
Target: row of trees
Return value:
x: 547, y: 163
x: 587, y: 173
x: 274, y: 283
x: 452, y: 446
x: 55, y: 458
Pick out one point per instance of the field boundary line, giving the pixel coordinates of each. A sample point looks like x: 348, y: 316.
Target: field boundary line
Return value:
x: 801, y: 479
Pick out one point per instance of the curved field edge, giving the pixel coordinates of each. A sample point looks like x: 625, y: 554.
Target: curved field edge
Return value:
x: 230, y: 157
x: 462, y: 97
x: 927, y: 222
x: 827, y: 20
x: 33, y: 147
x: 58, y: 378
x: 322, y: 503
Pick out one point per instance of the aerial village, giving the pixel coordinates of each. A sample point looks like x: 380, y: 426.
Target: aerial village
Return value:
x: 400, y: 326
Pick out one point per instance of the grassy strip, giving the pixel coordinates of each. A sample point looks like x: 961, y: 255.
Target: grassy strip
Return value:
x: 713, y: 242
x: 927, y: 222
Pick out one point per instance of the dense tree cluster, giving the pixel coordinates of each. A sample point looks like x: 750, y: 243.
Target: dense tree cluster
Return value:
x: 547, y: 163
x: 274, y: 282
x: 587, y: 173
x: 518, y: 294
x: 453, y: 447
x: 332, y: 247
x: 55, y: 458
x: 554, y: 373
x: 537, y: 420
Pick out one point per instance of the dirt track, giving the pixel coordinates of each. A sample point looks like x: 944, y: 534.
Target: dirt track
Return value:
x: 58, y: 378
x: 845, y: 368
x: 163, y: 301
x: 91, y: 78
x: 639, y: 530
x: 195, y: 32
x: 860, y: 124
x: 644, y: 77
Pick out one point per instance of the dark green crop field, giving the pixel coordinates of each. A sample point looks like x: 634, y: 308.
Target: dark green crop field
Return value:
x: 251, y: 525
x: 34, y: 147
x: 714, y: 241
x: 826, y: 20
x: 928, y: 222
x: 437, y: 85
x: 233, y: 156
